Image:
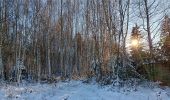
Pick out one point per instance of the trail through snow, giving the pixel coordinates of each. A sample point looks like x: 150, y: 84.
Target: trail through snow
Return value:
x: 76, y: 90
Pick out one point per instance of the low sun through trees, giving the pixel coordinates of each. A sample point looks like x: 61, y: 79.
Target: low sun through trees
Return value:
x: 73, y: 39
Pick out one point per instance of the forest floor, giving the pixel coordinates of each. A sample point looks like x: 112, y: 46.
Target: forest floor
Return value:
x: 77, y: 90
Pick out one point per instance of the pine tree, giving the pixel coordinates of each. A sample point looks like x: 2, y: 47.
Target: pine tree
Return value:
x: 165, y: 37
x: 136, y: 45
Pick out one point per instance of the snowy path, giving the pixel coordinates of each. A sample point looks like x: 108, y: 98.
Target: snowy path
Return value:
x: 75, y: 90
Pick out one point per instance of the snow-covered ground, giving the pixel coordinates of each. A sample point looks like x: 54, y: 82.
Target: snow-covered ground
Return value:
x: 76, y: 90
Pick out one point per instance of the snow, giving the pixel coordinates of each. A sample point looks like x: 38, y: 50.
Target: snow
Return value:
x: 76, y: 90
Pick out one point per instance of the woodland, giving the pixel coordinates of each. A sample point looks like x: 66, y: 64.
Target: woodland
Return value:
x: 111, y: 41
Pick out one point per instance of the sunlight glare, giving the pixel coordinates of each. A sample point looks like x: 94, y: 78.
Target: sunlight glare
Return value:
x: 135, y: 43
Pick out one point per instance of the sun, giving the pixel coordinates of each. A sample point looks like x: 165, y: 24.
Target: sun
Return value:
x: 135, y: 43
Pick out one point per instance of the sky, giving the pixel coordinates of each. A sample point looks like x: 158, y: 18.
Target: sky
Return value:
x: 157, y: 16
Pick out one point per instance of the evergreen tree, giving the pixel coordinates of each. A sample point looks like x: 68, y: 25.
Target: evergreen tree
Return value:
x: 165, y: 37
